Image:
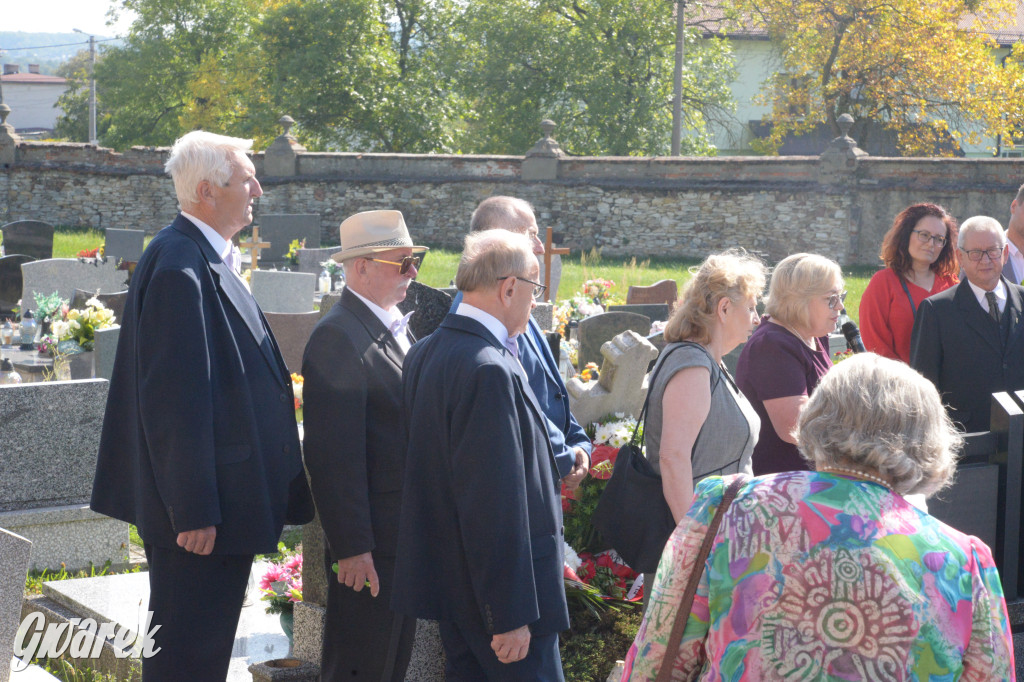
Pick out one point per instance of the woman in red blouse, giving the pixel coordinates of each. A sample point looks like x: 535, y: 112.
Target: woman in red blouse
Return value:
x: 919, y: 252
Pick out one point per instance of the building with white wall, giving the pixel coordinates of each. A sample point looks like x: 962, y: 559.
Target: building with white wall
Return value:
x: 32, y: 97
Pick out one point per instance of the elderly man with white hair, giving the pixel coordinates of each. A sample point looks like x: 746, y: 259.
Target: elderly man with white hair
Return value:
x: 200, y: 448
x: 968, y: 339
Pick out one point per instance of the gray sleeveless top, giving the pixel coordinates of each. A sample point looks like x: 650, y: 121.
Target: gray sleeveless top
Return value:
x: 727, y: 438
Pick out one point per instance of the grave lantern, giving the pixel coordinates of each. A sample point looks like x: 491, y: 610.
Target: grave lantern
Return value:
x: 28, y: 330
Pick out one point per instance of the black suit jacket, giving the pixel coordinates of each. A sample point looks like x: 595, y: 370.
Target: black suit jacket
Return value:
x: 354, y: 440
x: 200, y: 426
x: 480, y: 539
x: 957, y: 346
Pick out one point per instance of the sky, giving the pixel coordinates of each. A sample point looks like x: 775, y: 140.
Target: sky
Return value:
x: 59, y: 16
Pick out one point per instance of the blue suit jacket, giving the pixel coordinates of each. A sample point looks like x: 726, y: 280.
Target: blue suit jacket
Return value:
x: 541, y: 368
x: 200, y: 424
x: 480, y: 539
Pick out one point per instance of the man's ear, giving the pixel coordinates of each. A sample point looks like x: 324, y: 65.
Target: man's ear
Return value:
x: 204, y: 190
x: 506, y: 290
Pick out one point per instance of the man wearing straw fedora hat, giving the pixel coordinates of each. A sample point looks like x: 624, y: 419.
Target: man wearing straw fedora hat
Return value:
x: 355, y: 446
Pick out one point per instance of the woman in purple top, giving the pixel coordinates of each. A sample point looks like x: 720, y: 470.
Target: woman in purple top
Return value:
x: 788, y: 354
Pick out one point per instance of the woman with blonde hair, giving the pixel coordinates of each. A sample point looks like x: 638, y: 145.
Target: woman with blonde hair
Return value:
x: 698, y: 422
x: 788, y: 354
x: 831, y: 574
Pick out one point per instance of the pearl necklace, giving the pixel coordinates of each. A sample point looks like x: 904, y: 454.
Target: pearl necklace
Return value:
x: 862, y: 474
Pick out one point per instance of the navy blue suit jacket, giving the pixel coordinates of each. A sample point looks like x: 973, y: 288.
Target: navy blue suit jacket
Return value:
x: 200, y: 426
x: 542, y: 372
x: 480, y: 537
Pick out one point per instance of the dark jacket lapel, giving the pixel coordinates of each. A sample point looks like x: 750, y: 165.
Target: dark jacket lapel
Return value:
x: 382, y: 337
x: 235, y: 293
x: 976, y: 318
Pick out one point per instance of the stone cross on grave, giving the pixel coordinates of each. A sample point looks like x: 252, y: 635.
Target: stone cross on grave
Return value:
x: 255, y: 246
x: 549, y: 251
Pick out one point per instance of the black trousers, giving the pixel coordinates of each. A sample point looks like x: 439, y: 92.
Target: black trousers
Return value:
x: 363, y: 638
x: 470, y: 658
x: 196, y: 601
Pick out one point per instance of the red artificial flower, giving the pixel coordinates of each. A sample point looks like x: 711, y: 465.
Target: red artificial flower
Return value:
x: 570, y: 574
x: 600, y: 455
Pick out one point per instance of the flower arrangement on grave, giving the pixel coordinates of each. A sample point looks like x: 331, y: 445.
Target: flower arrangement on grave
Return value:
x: 76, y: 330
x: 332, y: 267
x: 98, y: 252
x: 590, y: 372
x: 590, y: 300
x: 48, y: 305
x: 297, y: 391
x: 281, y: 585
x: 598, y: 290
x: 293, y: 251
x: 599, y: 570
x: 842, y: 355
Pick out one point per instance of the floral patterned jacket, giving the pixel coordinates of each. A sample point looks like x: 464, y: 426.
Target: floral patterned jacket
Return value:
x: 818, y: 576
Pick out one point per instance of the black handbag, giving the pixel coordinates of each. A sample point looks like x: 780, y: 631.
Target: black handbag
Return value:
x: 632, y: 514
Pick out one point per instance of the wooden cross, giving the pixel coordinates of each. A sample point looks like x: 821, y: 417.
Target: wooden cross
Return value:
x: 549, y: 251
x: 255, y: 246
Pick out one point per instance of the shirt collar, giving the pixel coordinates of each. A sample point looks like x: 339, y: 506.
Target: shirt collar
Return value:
x: 220, y: 245
x: 385, y: 316
x: 979, y: 293
x: 493, y: 325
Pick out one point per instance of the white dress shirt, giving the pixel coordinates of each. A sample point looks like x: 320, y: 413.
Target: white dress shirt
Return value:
x: 387, y: 317
x: 979, y: 293
x: 220, y: 245
x: 1016, y: 260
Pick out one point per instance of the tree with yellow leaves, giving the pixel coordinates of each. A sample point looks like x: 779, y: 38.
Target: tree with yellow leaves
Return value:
x: 925, y: 71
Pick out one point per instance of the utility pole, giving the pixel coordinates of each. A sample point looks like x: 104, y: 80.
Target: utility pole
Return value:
x: 677, y: 80
x: 92, y: 87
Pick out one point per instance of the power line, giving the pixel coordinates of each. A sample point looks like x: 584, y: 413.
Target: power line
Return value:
x: 44, y: 47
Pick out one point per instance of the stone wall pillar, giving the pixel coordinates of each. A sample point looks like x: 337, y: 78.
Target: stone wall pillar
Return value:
x: 839, y: 164
x: 281, y: 157
x: 8, y: 139
x: 541, y: 162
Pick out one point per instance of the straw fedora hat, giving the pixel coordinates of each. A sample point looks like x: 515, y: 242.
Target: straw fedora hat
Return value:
x: 372, y: 232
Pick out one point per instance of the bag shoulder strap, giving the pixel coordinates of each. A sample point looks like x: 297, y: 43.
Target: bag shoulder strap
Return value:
x: 686, y: 603
x: 716, y: 377
x: 903, y: 283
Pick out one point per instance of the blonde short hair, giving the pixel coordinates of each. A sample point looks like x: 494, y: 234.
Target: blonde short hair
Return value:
x: 877, y: 413
x: 734, y: 274
x: 198, y: 156
x: 797, y: 279
x: 491, y: 255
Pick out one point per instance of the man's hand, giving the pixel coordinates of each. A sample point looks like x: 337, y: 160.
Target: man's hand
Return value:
x: 579, y: 470
x: 356, y: 570
x: 512, y: 646
x: 198, y: 541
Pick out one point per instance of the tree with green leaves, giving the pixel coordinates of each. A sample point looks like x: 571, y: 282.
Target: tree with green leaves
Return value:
x: 601, y: 69
x: 73, y: 121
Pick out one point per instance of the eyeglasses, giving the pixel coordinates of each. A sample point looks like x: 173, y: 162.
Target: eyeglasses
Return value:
x: 976, y: 254
x: 403, y: 265
x: 538, y: 289
x: 923, y: 236
x: 836, y: 300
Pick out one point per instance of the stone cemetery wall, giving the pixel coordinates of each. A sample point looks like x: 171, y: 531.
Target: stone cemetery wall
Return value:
x: 632, y: 206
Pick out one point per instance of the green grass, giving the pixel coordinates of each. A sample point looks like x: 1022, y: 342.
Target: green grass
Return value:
x: 440, y: 265
x: 35, y: 579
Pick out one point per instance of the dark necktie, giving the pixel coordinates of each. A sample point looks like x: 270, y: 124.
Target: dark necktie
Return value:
x: 993, y: 305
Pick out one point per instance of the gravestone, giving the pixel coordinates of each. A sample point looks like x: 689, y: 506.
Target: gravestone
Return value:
x: 658, y: 312
x: 292, y: 331
x: 665, y: 291
x: 544, y: 315
x: 621, y: 385
x: 124, y: 245
x: 281, y: 229
x: 596, y: 330
x: 328, y: 301
x: 556, y: 276
x: 11, y: 282
x: 64, y: 275
x: 310, y: 259
x: 49, y: 437
x: 105, y: 349
x: 430, y: 306
x: 283, y: 292
x: 15, y: 552
x: 29, y: 238
x: 115, y: 300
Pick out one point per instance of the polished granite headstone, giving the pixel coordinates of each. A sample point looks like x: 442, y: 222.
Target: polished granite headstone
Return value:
x: 64, y: 275
x: 665, y: 291
x: 115, y: 301
x: 658, y: 312
x: 292, y: 331
x: 11, y: 282
x: 124, y: 245
x: 28, y: 237
x: 595, y: 331
x: 280, y: 229
x: 310, y: 259
x: 14, y: 558
x: 428, y: 305
x: 283, y: 292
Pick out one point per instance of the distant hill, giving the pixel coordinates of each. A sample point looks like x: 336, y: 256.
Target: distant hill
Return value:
x: 13, y: 44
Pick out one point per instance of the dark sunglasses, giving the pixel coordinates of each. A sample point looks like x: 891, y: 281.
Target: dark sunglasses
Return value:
x: 403, y: 265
